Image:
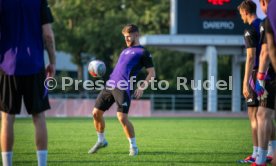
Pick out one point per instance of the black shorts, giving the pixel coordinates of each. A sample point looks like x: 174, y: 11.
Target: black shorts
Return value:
x: 270, y: 87
x: 252, y: 101
x: 107, y: 97
x: 30, y: 88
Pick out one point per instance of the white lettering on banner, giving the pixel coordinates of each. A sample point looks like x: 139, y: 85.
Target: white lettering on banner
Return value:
x: 218, y: 25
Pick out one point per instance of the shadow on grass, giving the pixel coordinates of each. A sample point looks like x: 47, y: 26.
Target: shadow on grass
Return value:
x: 58, y: 162
x: 145, y: 153
x: 141, y: 158
x: 118, y: 162
x: 190, y: 153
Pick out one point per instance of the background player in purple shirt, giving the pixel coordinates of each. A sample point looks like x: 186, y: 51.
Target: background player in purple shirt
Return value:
x: 271, y: 42
x: 247, y: 10
x: 266, y: 95
x: 130, y: 62
x: 271, y: 31
x: 24, y: 24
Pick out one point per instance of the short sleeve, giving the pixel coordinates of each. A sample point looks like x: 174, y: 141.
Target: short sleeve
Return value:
x: 146, y: 59
x: 268, y: 26
x: 46, y: 14
x: 251, y: 38
x: 262, y: 33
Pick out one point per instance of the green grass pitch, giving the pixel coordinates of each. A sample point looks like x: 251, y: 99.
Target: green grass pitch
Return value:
x: 161, y: 141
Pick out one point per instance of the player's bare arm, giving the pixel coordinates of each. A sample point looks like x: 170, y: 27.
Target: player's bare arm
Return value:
x: 250, y: 56
x: 271, y: 49
x: 151, y: 74
x: 49, y: 40
x: 264, y: 59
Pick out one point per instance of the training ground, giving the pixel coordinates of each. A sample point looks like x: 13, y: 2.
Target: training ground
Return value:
x: 162, y: 141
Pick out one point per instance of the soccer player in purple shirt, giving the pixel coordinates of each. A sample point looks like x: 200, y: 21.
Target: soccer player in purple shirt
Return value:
x: 24, y: 25
x: 130, y: 62
x: 247, y: 10
x: 266, y: 96
x: 271, y: 31
x: 271, y: 42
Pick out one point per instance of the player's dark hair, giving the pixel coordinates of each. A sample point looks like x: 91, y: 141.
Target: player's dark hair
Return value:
x: 249, y: 6
x: 130, y: 28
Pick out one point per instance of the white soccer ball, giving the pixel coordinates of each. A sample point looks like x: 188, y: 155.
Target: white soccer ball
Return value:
x: 96, y: 68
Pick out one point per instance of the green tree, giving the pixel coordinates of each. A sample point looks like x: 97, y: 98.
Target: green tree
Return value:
x: 94, y: 27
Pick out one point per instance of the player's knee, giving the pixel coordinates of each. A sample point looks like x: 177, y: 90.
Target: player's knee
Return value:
x: 38, y: 118
x: 97, y: 114
x: 7, y: 118
x: 252, y: 112
x: 122, y: 119
x: 261, y: 115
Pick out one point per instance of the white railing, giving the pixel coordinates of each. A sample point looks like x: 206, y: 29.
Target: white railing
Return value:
x: 167, y: 102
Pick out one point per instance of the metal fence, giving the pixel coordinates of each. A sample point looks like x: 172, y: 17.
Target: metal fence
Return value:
x: 168, y: 102
x: 171, y: 102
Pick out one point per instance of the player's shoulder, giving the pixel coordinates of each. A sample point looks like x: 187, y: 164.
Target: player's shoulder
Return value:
x: 140, y: 50
x: 144, y: 49
x: 248, y: 32
x: 146, y: 52
x: 254, y: 26
x: 257, y: 21
x: 252, y: 30
x: 262, y: 26
x: 263, y: 22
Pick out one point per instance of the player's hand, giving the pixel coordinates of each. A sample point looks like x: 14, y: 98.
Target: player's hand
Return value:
x: 245, y: 91
x: 51, y: 70
x: 138, y: 93
x: 260, y: 86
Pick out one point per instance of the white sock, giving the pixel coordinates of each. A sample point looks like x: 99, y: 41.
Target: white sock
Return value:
x: 269, y: 149
x: 42, y: 157
x: 101, y: 137
x: 7, y: 158
x: 132, y: 142
x: 261, y: 158
x: 255, y: 151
